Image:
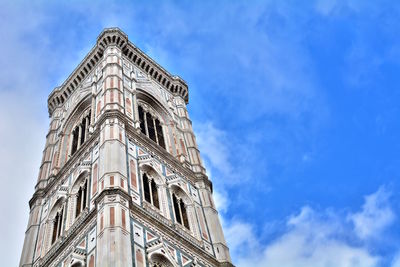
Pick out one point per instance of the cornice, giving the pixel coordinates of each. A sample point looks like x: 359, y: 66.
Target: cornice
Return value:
x: 115, y: 37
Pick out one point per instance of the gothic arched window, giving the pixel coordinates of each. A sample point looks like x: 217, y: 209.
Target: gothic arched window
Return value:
x: 150, y: 191
x: 160, y: 135
x: 151, y: 127
x: 154, y: 193
x: 80, y: 133
x: 81, y: 199
x: 57, y: 224
x: 176, y: 209
x: 180, y: 211
x: 184, y: 214
x: 141, y: 119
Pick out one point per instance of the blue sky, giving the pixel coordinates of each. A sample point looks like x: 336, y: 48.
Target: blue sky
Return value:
x: 295, y: 105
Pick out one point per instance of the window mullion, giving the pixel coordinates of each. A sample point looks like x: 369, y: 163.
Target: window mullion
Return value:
x: 85, y: 195
x: 58, y: 225
x: 155, y: 130
x: 151, y: 192
x: 61, y: 219
x: 54, y: 235
x: 79, y: 136
x: 86, y: 128
x: 180, y: 211
x: 145, y: 123
x: 81, y: 199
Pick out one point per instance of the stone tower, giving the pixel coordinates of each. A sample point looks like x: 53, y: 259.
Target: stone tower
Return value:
x: 121, y: 182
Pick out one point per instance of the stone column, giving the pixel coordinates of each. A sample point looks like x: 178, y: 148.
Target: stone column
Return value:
x: 79, y: 136
x: 145, y: 114
x: 71, y: 140
x: 87, y: 127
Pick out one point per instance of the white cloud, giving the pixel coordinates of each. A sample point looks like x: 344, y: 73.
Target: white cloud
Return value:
x: 22, y: 139
x: 326, y: 7
x: 23, y: 117
x: 376, y: 215
x: 241, y: 240
x: 225, y: 157
x: 312, y: 238
x: 333, y: 7
x: 221, y: 200
x: 214, y: 147
x: 396, y: 260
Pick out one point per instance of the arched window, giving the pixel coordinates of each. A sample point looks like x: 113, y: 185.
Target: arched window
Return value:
x: 180, y: 211
x: 176, y: 209
x: 57, y: 224
x: 160, y: 135
x: 184, y: 214
x: 74, y: 141
x: 80, y: 133
x: 154, y: 194
x: 81, y: 199
x: 151, y: 127
x: 141, y: 119
x: 146, y: 188
x: 150, y: 191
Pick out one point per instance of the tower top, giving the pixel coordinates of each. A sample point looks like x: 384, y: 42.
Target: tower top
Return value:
x: 116, y: 37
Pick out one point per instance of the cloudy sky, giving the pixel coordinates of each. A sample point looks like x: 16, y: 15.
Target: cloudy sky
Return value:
x: 295, y: 104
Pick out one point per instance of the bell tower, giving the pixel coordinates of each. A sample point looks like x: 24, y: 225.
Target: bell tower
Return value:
x: 121, y: 181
